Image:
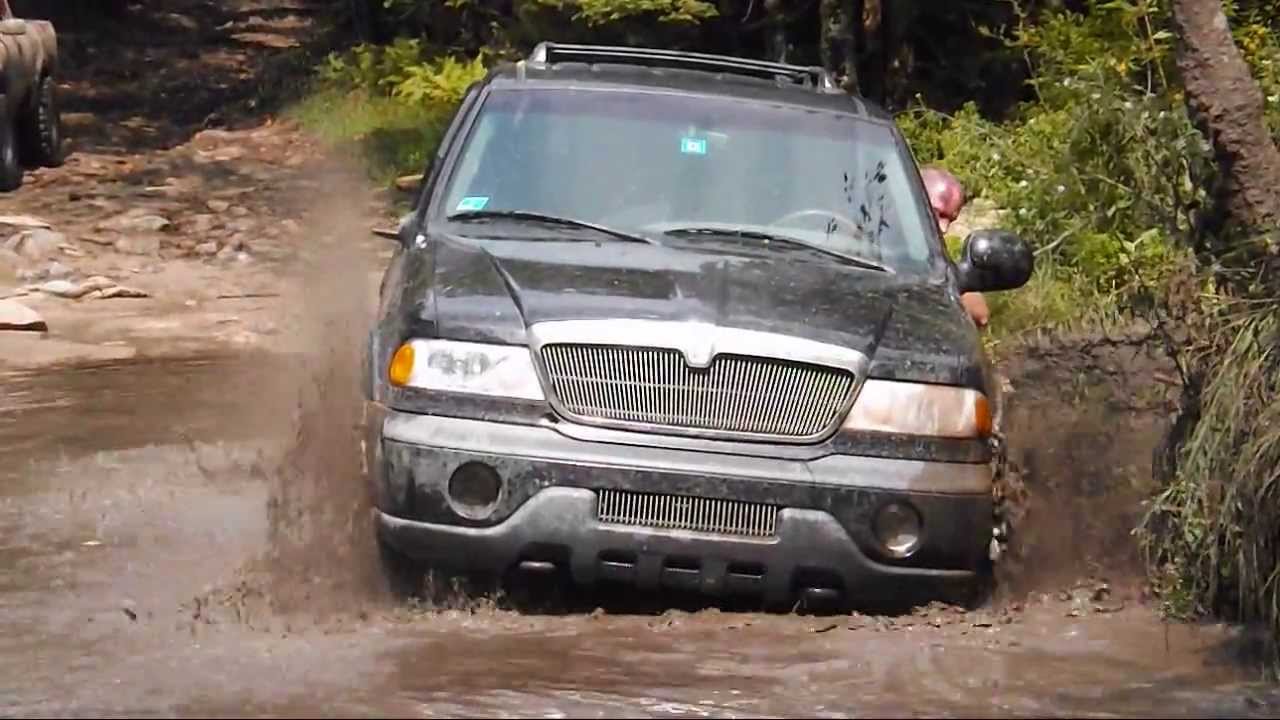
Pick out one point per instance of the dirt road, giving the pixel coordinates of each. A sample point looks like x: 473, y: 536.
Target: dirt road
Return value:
x: 181, y: 522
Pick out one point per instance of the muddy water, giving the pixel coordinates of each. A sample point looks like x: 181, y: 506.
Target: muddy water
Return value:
x: 132, y: 496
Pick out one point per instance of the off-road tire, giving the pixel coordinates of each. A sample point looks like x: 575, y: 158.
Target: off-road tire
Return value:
x: 10, y: 165
x: 404, y: 575
x: 42, y: 127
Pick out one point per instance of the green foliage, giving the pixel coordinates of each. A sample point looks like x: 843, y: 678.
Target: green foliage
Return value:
x: 402, y: 70
x: 1102, y: 172
x: 600, y: 12
x: 1257, y: 32
x: 1211, y: 534
x: 393, y: 102
x: 390, y: 136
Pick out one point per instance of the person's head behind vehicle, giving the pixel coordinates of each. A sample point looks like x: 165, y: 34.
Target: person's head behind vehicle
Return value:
x: 946, y: 195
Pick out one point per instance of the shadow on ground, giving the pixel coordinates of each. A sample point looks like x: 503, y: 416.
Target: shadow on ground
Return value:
x: 152, y: 75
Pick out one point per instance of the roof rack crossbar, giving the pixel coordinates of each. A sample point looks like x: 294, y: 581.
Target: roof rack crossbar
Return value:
x: 549, y: 53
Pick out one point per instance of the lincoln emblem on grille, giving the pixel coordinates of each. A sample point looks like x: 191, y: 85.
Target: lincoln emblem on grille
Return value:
x: 696, y: 379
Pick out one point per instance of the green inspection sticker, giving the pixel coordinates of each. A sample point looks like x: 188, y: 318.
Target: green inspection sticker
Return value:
x: 693, y: 146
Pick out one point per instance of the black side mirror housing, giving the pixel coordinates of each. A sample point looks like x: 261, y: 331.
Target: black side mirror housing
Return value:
x: 401, y: 233
x: 994, y: 260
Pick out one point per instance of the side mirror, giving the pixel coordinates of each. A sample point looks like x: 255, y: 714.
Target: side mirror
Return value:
x: 994, y: 260
x: 401, y: 232
x: 13, y: 26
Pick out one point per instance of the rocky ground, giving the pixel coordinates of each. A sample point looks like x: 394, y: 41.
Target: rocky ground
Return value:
x: 161, y: 233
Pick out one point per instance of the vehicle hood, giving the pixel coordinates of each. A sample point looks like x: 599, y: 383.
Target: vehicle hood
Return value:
x: 493, y: 290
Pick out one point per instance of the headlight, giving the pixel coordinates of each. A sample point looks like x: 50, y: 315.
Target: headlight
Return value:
x: 476, y: 368
x: 918, y: 409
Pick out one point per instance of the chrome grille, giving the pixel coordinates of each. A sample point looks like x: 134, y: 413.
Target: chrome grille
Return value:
x: 678, y: 512
x: 736, y: 394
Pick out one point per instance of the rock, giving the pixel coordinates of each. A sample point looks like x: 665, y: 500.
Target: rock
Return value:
x: 25, y: 222
x: 9, y: 262
x: 97, y: 240
x: 134, y: 221
x: 120, y: 291
x: 239, y: 211
x: 224, y: 154
x: 98, y: 282
x: 218, y: 206
x: 138, y: 245
x: 207, y: 249
x: 980, y: 214
x: 36, y: 244
x: 79, y: 120
x: 237, y: 242
x: 63, y: 289
x: 226, y: 253
x: 16, y: 316
x: 57, y: 270
x: 203, y: 223
x: 408, y: 183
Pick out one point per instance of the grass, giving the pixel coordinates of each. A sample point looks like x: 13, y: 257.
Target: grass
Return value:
x: 393, y: 137
x: 1213, y: 533
x: 1054, y: 300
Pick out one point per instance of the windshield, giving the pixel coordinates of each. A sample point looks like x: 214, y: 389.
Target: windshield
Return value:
x: 659, y: 164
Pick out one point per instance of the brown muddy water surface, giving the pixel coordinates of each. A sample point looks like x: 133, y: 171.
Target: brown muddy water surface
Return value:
x: 133, y: 495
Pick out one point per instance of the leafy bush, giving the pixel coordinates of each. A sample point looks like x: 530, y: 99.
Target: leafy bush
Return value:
x: 392, y: 101
x: 1102, y: 172
x: 600, y: 12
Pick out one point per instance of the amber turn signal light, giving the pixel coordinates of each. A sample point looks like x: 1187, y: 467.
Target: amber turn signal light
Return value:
x: 401, y: 366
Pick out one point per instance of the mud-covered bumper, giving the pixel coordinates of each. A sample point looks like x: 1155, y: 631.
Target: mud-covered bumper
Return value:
x: 547, y: 514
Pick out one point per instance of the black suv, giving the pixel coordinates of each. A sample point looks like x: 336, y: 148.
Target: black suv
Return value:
x: 681, y: 321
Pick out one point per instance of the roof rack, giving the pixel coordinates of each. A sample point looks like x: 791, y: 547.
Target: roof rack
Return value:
x: 551, y: 53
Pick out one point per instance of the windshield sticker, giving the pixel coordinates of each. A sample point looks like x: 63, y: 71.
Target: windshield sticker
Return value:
x: 693, y: 146
x: 473, y: 202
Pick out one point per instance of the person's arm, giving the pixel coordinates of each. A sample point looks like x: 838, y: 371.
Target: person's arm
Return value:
x: 976, y: 305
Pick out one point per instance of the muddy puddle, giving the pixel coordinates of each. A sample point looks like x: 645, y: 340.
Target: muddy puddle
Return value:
x: 133, y: 496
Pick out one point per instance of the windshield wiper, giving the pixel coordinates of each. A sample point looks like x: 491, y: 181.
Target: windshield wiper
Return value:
x: 551, y: 219
x: 785, y: 239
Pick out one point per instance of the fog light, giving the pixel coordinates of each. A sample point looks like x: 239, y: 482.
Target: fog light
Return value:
x: 474, y: 490
x: 897, y: 527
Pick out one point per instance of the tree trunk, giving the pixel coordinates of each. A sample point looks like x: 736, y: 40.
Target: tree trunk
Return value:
x: 839, y: 54
x: 1227, y: 103
x: 364, y: 19
x: 776, y: 39
x: 875, y: 48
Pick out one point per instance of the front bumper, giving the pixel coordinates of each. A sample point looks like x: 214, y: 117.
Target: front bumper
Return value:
x: 547, y: 511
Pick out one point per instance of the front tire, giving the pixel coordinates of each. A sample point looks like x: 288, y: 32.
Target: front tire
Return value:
x: 43, y: 125
x: 10, y: 166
